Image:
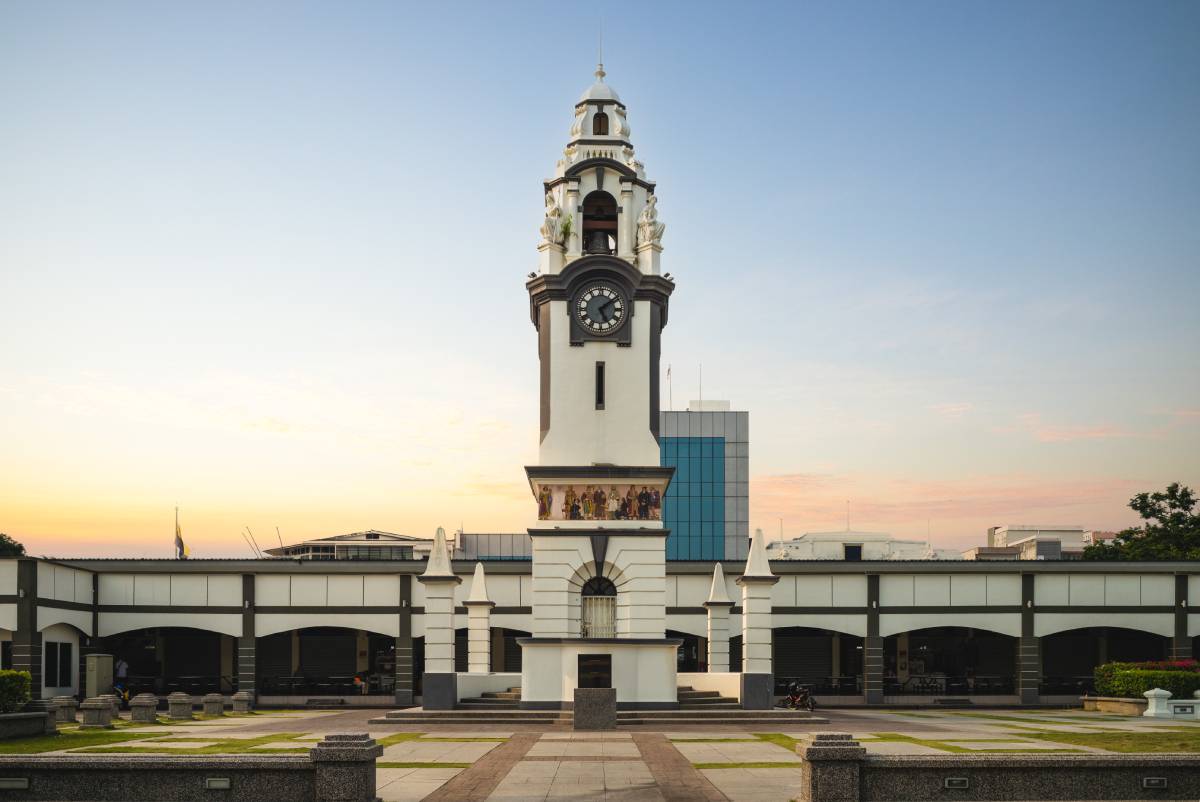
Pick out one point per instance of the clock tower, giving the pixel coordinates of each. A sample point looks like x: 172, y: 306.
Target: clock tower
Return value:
x: 598, y: 301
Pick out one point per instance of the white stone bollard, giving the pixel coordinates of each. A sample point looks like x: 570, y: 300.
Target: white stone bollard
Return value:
x: 1157, y: 703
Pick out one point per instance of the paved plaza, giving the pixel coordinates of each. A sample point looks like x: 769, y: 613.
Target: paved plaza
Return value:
x: 525, y: 762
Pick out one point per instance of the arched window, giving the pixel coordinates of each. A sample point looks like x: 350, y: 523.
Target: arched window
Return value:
x: 598, y: 608
x: 599, y: 222
x: 600, y: 124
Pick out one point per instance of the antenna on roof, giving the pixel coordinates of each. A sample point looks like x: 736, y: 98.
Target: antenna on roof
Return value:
x: 279, y: 536
x: 847, y: 515
x: 257, y: 550
x: 249, y: 545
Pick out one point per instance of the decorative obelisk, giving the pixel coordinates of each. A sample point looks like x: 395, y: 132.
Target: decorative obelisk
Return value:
x: 756, y: 582
x: 718, y: 605
x: 479, y: 624
x: 439, y: 682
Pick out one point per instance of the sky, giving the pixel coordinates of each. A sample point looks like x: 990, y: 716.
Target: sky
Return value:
x: 265, y: 261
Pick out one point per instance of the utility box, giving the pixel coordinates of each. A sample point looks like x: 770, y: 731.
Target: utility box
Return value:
x: 99, y: 669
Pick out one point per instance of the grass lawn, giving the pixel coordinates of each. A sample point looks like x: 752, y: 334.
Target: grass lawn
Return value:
x: 224, y: 746
x: 1114, y: 741
x: 68, y: 739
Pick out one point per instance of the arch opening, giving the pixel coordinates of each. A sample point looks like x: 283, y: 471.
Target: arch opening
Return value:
x: 598, y: 608
x: 949, y: 661
x: 164, y: 660
x: 600, y: 124
x: 325, y: 661
x: 1070, y: 658
x: 829, y: 662
x: 599, y: 223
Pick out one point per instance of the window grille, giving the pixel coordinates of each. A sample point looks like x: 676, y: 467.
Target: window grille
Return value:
x: 599, y: 617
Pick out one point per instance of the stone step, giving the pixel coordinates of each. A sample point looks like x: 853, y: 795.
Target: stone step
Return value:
x: 685, y: 694
x: 501, y: 695
x: 487, y: 700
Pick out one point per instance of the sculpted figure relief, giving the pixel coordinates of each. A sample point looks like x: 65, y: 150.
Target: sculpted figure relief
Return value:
x: 649, y: 229
x: 552, y: 228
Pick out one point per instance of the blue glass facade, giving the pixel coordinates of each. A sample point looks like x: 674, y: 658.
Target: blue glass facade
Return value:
x: 694, y: 508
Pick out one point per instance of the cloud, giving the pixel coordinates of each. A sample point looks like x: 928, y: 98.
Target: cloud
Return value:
x: 952, y: 410
x: 1043, y: 432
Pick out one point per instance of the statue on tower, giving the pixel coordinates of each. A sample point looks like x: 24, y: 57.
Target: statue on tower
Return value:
x: 552, y: 228
x: 649, y: 230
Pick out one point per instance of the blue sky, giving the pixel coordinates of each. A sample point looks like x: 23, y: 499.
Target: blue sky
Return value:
x: 266, y: 260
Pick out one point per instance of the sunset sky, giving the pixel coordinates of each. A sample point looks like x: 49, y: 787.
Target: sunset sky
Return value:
x: 265, y: 261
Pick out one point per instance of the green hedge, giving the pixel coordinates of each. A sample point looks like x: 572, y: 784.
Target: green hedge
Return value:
x: 14, y: 690
x: 1132, y: 683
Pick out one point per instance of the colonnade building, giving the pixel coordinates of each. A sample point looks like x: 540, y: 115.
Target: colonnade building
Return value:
x: 597, y: 592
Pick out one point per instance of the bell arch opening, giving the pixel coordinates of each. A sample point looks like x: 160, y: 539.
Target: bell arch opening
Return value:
x: 599, y: 223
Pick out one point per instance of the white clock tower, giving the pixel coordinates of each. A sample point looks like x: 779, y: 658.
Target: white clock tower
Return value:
x: 599, y: 304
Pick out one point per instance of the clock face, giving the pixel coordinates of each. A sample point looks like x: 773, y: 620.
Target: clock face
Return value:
x: 601, y: 309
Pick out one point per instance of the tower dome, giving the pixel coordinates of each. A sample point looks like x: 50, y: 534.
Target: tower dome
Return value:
x: 600, y: 90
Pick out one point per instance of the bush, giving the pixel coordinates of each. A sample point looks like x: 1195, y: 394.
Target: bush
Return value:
x: 1106, y: 674
x: 14, y: 690
x: 1131, y: 683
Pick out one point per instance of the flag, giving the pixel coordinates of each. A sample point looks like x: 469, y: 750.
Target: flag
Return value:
x: 181, y: 549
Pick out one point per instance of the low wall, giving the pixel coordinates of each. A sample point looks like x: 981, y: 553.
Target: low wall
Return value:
x: 23, y: 725
x: 341, y: 768
x: 1115, y: 704
x: 836, y: 768
x: 725, y: 683
x: 473, y: 685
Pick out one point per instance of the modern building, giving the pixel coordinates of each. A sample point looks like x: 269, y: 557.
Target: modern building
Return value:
x: 369, y: 545
x: 856, y: 546
x: 1029, y: 542
x: 598, y: 601
x: 707, y: 506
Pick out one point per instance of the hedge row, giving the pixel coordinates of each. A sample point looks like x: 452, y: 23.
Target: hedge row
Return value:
x: 1131, y: 680
x: 14, y: 690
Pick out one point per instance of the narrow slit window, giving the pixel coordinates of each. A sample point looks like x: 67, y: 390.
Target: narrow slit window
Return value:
x: 599, y: 385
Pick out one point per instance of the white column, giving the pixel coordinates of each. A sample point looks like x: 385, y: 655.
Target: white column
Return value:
x: 625, y: 223
x: 439, y: 683
x: 756, y: 583
x: 718, y: 605
x: 572, y: 209
x: 479, y: 625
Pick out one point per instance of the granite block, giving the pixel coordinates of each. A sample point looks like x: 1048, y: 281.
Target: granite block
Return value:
x: 595, y: 709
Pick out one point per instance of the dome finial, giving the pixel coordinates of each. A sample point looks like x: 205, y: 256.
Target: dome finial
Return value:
x: 600, y: 73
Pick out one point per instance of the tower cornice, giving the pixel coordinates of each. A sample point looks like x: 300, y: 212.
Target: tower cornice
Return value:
x: 547, y: 287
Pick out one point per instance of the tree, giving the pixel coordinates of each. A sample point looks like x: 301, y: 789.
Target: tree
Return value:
x: 1171, y: 530
x: 10, y: 547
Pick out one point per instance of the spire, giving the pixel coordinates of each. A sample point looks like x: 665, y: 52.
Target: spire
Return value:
x: 757, y: 566
x: 479, y: 594
x: 717, y: 594
x: 438, y: 566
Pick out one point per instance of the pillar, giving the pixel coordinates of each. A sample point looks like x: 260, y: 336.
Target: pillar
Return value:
x: 873, y: 647
x: 1029, y: 648
x: 27, y: 641
x: 625, y: 220
x: 440, y: 683
x: 479, y: 624
x: 758, y: 687
x: 1181, y: 644
x: 573, y: 209
x: 718, y: 606
x: 404, y: 658
x: 246, y: 645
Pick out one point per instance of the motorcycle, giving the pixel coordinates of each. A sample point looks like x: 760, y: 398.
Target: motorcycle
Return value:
x: 799, y: 697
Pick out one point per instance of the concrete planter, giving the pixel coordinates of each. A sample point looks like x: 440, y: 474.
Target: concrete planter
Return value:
x: 97, y: 714
x: 214, y: 704
x: 144, y: 708
x: 179, y: 706
x: 243, y: 702
x: 65, y: 708
x: 1115, y: 704
x: 23, y: 725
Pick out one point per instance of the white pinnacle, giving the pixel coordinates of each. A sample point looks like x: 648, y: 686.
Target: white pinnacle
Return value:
x: 439, y: 558
x: 756, y: 563
x: 479, y: 592
x: 718, y: 594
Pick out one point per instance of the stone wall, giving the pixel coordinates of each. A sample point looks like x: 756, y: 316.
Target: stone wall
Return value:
x: 837, y: 769
x: 341, y: 768
x: 23, y: 725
